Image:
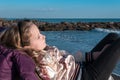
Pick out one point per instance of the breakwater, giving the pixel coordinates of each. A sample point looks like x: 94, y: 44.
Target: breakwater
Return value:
x: 61, y: 26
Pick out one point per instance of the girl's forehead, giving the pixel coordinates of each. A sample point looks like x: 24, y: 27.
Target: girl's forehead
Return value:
x: 34, y: 30
x: 34, y: 27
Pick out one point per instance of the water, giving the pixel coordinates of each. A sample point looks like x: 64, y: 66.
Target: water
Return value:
x: 73, y: 41
x: 57, y: 20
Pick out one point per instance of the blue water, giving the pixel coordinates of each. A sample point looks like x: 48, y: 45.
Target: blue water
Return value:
x: 57, y: 20
x: 72, y: 41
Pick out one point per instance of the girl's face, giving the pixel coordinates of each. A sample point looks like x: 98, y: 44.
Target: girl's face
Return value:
x: 37, y: 40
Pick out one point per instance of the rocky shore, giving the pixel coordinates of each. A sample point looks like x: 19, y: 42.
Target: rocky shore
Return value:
x: 45, y: 26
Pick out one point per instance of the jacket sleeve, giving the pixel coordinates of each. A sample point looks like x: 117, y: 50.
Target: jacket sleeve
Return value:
x: 25, y: 66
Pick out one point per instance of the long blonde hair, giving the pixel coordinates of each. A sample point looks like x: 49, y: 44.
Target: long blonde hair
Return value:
x: 16, y: 36
x: 10, y: 38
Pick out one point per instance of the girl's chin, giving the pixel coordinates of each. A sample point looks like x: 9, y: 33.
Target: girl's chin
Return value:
x: 45, y: 46
x: 42, y: 48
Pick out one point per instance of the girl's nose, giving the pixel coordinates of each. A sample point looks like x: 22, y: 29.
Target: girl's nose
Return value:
x: 44, y: 36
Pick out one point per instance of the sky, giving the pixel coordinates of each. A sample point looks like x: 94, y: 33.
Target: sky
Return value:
x: 59, y: 8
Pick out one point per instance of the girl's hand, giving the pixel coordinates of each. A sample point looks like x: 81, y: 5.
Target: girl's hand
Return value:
x: 62, y: 61
x: 78, y: 56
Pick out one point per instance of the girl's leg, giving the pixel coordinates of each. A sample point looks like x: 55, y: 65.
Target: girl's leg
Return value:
x: 102, y: 67
x: 110, y: 38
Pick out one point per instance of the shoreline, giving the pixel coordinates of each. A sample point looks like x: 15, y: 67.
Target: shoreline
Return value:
x: 61, y: 26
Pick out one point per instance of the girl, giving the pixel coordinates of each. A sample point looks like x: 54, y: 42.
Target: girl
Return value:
x: 54, y: 64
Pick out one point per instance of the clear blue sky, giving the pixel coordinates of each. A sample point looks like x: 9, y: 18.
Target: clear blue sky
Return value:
x: 60, y: 8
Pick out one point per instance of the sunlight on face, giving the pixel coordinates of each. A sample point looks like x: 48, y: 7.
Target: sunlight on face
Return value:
x: 37, y: 40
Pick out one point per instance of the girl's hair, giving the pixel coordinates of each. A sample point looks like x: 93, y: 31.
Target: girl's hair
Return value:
x: 17, y: 36
x: 24, y: 32
x: 10, y: 38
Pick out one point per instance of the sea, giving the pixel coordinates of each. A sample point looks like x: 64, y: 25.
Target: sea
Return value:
x: 73, y: 41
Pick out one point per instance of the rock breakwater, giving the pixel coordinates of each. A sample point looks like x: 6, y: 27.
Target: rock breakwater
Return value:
x: 61, y: 26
